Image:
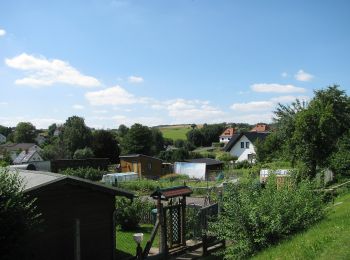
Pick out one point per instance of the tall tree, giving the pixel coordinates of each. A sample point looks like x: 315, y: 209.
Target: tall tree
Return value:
x: 76, y: 135
x: 105, y: 145
x: 5, y: 130
x: 25, y: 133
x: 157, y: 141
x: 137, y: 140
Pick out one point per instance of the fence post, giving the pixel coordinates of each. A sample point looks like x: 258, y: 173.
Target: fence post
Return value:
x: 183, y: 221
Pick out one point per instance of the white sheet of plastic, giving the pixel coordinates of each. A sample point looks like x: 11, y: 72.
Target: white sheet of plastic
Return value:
x: 111, y: 178
x: 193, y: 170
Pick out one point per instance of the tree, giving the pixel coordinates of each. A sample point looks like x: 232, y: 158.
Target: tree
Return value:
x: 52, y: 129
x: 137, y: 140
x: 340, y: 160
x: 122, y: 130
x: 83, y: 153
x: 157, y: 141
x: 25, y: 133
x: 5, y: 130
x: 105, y: 145
x: 76, y: 135
x: 195, y: 137
x: 211, y: 133
x: 19, y: 215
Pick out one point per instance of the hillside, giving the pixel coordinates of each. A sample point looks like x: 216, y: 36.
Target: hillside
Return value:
x: 326, y: 240
x: 175, y: 131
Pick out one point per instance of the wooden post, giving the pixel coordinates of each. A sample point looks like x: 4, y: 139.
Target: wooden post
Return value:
x: 162, y: 231
x: 183, y: 221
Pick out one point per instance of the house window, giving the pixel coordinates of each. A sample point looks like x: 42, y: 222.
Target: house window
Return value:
x: 247, y: 145
x: 222, y: 138
x: 242, y: 144
x: 229, y: 138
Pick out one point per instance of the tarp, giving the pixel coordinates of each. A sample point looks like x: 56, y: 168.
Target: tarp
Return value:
x: 112, y: 178
x: 193, y: 170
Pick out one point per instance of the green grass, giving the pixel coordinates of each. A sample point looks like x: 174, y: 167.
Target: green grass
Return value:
x: 328, y: 239
x: 126, y: 244
x: 175, y: 133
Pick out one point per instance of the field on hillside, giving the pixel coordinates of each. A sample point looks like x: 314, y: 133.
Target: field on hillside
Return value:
x: 328, y: 239
x: 175, y: 132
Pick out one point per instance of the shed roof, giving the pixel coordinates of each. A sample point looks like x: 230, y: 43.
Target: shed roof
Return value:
x: 138, y: 156
x: 207, y: 161
x: 172, y: 192
x: 38, y: 180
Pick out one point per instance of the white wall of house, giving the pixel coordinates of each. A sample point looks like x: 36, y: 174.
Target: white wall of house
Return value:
x: 242, y: 153
x: 225, y: 139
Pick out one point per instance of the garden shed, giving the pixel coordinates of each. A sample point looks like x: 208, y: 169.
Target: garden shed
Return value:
x: 78, y: 217
x: 146, y: 166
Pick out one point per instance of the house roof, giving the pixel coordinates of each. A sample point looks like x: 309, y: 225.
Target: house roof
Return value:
x: 261, y: 127
x: 17, y: 146
x: 252, y: 136
x: 172, y: 192
x: 137, y: 156
x: 38, y: 180
x: 24, y: 156
x: 207, y: 161
x: 228, y: 132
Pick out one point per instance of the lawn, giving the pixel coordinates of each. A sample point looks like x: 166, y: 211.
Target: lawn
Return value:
x: 126, y: 244
x: 328, y: 239
x: 175, y: 132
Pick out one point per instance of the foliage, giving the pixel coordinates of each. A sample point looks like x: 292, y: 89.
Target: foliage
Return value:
x: 137, y: 140
x: 195, y: 137
x: 51, y: 130
x: 340, y: 160
x: 242, y: 165
x: 129, y: 212
x: 122, y: 130
x: 83, y: 153
x: 85, y: 173
x: 254, y: 217
x: 25, y: 133
x: 105, y: 145
x: 19, y: 215
x: 176, y: 155
x: 5, y: 130
x: 157, y: 141
x: 226, y: 157
x: 75, y: 134
x: 55, y: 150
x: 324, y: 240
x: 174, y: 177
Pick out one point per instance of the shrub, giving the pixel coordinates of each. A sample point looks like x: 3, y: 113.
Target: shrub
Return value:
x: 254, y: 217
x: 129, y: 213
x: 226, y: 157
x: 174, y: 177
x: 18, y: 216
x: 85, y: 173
x: 83, y: 153
x: 242, y: 165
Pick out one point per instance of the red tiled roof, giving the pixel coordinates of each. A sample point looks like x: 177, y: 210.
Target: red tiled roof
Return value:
x: 260, y: 128
x: 228, y: 132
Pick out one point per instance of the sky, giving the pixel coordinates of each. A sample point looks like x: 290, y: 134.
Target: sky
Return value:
x: 167, y: 62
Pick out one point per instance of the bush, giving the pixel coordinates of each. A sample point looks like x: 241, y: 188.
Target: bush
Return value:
x: 85, y: 173
x: 83, y: 153
x: 226, y: 157
x: 174, y: 177
x: 254, y: 217
x: 242, y: 165
x: 18, y: 216
x: 129, y: 213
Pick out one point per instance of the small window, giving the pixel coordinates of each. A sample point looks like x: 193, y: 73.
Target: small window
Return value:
x: 222, y: 138
x: 242, y: 144
x: 229, y: 138
x: 247, y: 145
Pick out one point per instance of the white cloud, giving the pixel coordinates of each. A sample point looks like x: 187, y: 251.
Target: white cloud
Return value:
x: 44, y: 72
x: 78, y: 107
x: 39, y: 123
x: 2, y: 32
x: 135, y: 79
x: 253, y: 106
x: 303, y: 76
x: 111, y: 96
x: 100, y: 111
x: 288, y: 99
x: 252, y: 118
x: 276, y: 88
x: 3, y: 103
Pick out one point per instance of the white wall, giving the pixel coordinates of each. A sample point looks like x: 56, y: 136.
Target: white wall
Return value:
x: 242, y: 153
x: 225, y: 139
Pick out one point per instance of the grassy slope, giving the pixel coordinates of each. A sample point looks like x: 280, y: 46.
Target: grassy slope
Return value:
x: 175, y: 132
x: 328, y: 239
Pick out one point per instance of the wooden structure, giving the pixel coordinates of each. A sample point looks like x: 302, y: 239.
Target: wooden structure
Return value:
x: 171, y: 219
x: 78, y: 217
x: 145, y: 166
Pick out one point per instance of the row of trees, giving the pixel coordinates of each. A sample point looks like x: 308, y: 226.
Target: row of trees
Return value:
x: 314, y: 133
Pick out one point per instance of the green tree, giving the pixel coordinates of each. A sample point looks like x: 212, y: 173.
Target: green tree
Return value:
x: 51, y: 130
x: 195, y: 137
x: 157, y: 141
x: 137, y: 140
x: 5, y: 130
x: 105, y: 145
x: 83, y: 153
x: 340, y: 160
x: 122, y: 130
x: 25, y: 133
x: 19, y: 215
x: 76, y: 135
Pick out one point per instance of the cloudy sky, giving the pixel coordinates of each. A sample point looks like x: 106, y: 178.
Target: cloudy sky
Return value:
x: 166, y: 62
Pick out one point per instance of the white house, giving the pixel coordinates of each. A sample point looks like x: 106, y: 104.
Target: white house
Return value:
x: 28, y: 156
x: 226, y: 136
x: 2, y: 139
x: 242, y: 145
x: 14, y: 149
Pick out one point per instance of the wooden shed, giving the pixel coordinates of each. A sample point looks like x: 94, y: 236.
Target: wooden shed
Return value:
x: 145, y: 166
x: 78, y: 217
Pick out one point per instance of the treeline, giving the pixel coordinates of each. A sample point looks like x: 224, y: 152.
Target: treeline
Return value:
x: 315, y: 134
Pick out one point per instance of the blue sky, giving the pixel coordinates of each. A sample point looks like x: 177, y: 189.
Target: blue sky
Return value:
x: 166, y: 62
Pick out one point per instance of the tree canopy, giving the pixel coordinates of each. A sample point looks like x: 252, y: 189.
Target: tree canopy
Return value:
x: 137, y: 140
x: 25, y: 133
x: 105, y: 145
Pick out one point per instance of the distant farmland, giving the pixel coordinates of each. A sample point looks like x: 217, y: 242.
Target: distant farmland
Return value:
x: 175, y: 132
